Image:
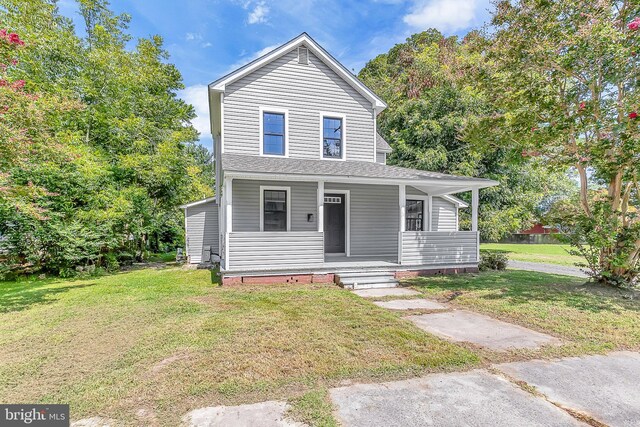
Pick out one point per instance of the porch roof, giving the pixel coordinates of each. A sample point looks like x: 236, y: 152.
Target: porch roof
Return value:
x: 347, y: 170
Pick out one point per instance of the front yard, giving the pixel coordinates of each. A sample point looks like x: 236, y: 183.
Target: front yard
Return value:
x: 158, y: 343
x: 147, y: 346
x: 543, y: 253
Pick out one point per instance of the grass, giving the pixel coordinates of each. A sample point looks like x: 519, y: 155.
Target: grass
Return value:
x: 587, y: 317
x: 147, y: 346
x: 543, y: 253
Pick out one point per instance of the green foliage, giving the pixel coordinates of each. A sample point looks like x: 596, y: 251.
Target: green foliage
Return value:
x: 429, y: 83
x: 96, y: 150
x: 570, y: 99
x: 492, y: 260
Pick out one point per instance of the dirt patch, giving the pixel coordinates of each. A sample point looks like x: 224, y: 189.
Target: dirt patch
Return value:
x: 158, y: 367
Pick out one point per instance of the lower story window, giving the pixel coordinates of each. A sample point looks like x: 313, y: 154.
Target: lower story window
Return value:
x: 275, y: 210
x: 414, y: 215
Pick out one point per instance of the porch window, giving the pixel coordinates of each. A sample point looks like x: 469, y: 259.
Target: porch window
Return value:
x: 414, y: 215
x: 275, y: 210
x: 273, y: 134
x: 332, y: 143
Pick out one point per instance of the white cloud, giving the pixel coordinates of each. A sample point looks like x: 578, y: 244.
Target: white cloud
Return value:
x: 196, y: 95
x: 445, y: 15
x: 206, y: 44
x: 259, y: 13
x: 256, y: 55
x: 193, y: 36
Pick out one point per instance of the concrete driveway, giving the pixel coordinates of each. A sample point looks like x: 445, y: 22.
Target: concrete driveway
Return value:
x: 600, y: 389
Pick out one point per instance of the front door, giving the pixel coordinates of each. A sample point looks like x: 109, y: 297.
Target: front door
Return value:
x: 334, y: 223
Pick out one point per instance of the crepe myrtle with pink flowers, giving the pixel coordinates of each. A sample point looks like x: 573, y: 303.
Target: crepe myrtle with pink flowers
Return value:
x: 565, y: 77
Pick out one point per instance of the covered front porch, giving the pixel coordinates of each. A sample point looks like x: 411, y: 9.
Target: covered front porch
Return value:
x: 374, y: 229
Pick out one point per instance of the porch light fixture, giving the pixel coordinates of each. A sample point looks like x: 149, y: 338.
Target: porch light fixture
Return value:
x: 310, y: 217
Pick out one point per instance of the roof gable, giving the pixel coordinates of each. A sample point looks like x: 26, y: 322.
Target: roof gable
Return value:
x: 303, y: 39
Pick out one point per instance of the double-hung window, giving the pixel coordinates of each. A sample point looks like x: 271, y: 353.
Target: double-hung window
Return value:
x: 275, y: 209
x: 274, y: 139
x: 332, y: 137
x: 414, y: 215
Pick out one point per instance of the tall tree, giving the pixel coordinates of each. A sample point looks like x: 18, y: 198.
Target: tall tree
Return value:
x: 565, y: 76
x: 429, y: 83
x: 130, y: 146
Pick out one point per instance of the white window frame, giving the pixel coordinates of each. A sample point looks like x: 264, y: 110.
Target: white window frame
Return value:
x: 270, y: 187
x: 347, y: 214
x: 275, y: 110
x: 426, y: 217
x: 342, y: 117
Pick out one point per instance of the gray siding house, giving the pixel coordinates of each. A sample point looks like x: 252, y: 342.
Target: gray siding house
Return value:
x: 303, y: 190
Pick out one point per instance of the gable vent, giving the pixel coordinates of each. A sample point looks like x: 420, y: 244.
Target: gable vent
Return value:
x: 303, y: 55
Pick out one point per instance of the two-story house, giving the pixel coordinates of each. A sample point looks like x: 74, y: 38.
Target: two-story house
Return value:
x: 303, y: 191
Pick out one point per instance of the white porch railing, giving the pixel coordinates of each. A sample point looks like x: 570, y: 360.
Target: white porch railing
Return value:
x: 271, y: 250
x: 439, y: 247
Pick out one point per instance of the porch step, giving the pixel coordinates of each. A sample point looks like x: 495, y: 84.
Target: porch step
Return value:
x: 367, y: 279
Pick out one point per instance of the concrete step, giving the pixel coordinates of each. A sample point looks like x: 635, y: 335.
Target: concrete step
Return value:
x: 371, y: 286
x: 367, y: 279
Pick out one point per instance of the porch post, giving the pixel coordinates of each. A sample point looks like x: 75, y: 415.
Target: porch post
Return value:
x: 228, y: 200
x: 429, y: 213
x: 320, y: 206
x: 402, y: 201
x: 474, y: 219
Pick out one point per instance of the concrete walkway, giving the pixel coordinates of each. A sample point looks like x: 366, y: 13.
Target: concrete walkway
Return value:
x: 475, y: 398
x: 478, y: 329
x: 563, y: 270
x: 263, y: 414
x: 601, y: 389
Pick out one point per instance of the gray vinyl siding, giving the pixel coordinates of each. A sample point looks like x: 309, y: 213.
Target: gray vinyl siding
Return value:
x: 444, y: 215
x: 273, y: 250
x: 381, y: 158
x: 201, y: 223
x: 246, y: 204
x: 444, y: 247
x: 305, y: 91
x: 374, y: 218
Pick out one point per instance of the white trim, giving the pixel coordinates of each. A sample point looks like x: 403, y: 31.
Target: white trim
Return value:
x: 402, y: 203
x: 221, y: 123
x: 455, y: 186
x: 271, y: 187
x: 455, y: 200
x: 425, y: 208
x: 342, y: 117
x: 320, y: 197
x: 474, y: 209
x: 347, y: 214
x: 199, y: 202
x: 375, y: 136
x: 277, y: 110
x: 430, y: 207
x: 303, y: 39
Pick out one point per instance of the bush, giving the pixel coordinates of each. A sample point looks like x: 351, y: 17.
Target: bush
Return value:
x: 492, y: 260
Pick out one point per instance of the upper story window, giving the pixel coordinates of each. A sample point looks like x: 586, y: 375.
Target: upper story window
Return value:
x: 274, y: 132
x: 414, y: 215
x: 333, y: 137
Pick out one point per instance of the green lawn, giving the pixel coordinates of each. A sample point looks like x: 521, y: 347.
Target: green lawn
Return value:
x: 587, y: 317
x: 544, y: 253
x: 168, y: 341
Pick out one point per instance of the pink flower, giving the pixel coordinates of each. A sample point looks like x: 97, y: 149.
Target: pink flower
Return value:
x: 18, y: 84
x: 633, y: 115
x: 635, y: 24
x: 582, y: 105
x: 3, y: 33
x: 3, y: 82
x: 15, y: 39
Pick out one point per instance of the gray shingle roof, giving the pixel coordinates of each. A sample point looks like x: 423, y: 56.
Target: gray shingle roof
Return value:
x: 382, y: 145
x: 347, y: 168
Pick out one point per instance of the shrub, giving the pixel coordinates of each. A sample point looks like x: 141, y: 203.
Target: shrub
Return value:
x: 492, y: 260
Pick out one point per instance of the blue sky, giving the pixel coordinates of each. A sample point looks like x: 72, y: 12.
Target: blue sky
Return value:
x: 208, y: 38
